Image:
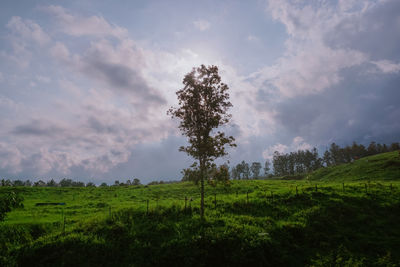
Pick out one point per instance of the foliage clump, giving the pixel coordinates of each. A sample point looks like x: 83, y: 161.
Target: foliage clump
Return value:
x: 8, y: 202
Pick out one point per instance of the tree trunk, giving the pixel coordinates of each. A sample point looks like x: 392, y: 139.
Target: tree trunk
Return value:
x: 202, y: 190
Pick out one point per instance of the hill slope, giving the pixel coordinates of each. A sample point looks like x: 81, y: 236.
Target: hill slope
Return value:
x: 385, y: 166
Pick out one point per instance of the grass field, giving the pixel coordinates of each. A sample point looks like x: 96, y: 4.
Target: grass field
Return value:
x: 320, y: 221
x: 381, y: 167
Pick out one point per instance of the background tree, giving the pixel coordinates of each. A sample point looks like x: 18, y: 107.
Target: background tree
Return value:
x: 90, y: 184
x: 372, y: 149
x: 66, y: 182
x: 18, y: 183
x: 327, y: 159
x: 219, y: 175
x: 203, y: 107
x: 51, y: 183
x: 78, y: 184
x: 136, y: 181
x: 234, y: 174
x: 191, y: 174
x: 39, y: 183
x: 246, y: 170
x: 267, y: 167
x: 239, y: 170
x: 255, y: 169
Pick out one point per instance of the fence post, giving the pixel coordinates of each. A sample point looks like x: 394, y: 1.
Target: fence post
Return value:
x: 316, y: 188
x: 185, y: 202
x: 64, y: 226
x: 63, y: 220
x: 343, y: 186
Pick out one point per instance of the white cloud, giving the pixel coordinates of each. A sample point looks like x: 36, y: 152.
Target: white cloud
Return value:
x: 43, y: 79
x: 313, y: 62
x: 10, y: 158
x: 60, y: 52
x: 28, y: 30
x: 23, y: 36
x: 269, y: 152
x: 8, y: 104
x: 387, y: 66
x: 252, y: 38
x: 79, y: 25
x: 309, y: 69
x: 298, y: 143
x: 201, y: 24
x: 111, y: 106
x: 309, y: 65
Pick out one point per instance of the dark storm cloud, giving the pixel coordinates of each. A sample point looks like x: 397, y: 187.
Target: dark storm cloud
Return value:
x: 376, y: 33
x: 122, y: 77
x: 361, y: 108
x: 101, y: 127
x: 37, y: 128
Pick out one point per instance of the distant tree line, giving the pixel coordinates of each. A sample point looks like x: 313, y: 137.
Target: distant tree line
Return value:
x: 215, y: 174
x: 254, y: 170
x: 300, y: 162
x: 282, y: 164
x: 63, y: 183
x: 305, y: 161
x: 337, y: 155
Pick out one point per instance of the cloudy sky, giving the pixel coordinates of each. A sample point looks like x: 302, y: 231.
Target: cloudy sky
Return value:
x: 85, y: 84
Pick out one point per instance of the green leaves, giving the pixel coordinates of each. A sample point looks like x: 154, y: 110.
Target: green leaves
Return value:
x: 8, y: 202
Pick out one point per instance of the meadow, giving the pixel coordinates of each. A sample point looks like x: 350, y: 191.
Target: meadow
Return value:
x: 336, y: 221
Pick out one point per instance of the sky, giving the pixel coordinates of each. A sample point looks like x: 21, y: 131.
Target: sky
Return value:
x: 85, y: 84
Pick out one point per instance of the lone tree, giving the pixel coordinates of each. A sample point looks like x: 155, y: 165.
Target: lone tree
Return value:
x: 203, y: 107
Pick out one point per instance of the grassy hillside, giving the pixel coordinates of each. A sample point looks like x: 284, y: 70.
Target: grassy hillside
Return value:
x: 252, y: 223
x: 385, y: 166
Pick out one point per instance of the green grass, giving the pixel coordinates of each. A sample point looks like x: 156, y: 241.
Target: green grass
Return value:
x: 385, y: 166
x: 346, y: 215
x: 320, y: 226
